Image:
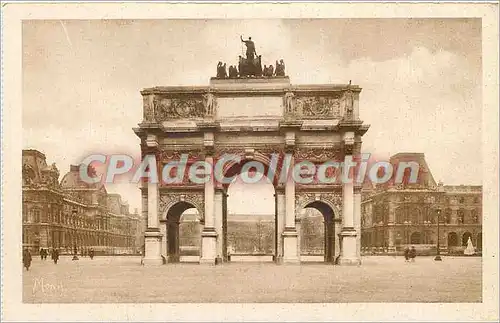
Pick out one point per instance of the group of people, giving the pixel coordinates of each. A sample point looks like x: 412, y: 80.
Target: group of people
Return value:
x: 54, y: 254
x: 410, y: 254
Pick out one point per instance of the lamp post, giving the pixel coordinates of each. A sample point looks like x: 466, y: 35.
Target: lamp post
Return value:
x: 438, y: 256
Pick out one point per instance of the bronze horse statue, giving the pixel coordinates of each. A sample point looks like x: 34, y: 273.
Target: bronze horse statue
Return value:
x: 249, y: 67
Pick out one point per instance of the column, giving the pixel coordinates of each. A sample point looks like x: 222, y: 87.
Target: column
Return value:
x: 357, y: 219
x: 209, y: 235
x: 279, y: 223
x: 218, y: 210
x: 290, y: 238
x: 164, y: 240
x: 224, y: 226
x: 153, y: 235
x: 348, y: 235
x: 391, y: 223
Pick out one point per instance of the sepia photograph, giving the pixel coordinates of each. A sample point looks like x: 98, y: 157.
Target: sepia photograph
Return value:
x: 293, y: 160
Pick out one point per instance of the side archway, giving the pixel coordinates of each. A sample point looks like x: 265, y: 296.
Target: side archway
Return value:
x: 317, y: 234
x: 184, y: 234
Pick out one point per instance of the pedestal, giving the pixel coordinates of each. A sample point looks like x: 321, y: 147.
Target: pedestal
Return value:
x: 152, y: 241
x: 348, y: 253
x: 208, y: 247
x: 290, y: 246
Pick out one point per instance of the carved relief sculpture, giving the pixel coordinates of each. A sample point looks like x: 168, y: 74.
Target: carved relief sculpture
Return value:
x: 210, y: 103
x: 178, y: 108
x: 289, y: 103
x: 302, y: 199
x: 318, y: 154
x: 318, y: 107
x: 147, y: 109
x: 170, y: 199
x: 348, y: 104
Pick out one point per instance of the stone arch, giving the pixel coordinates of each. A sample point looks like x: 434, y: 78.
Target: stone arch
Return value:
x: 172, y: 217
x: 302, y: 200
x: 465, y: 238
x: 169, y: 200
x: 233, y: 168
x: 263, y: 238
x: 330, y: 214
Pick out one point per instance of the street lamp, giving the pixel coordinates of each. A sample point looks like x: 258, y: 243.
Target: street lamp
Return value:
x: 438, y: 256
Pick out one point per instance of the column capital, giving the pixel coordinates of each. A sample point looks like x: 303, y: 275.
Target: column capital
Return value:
x: 280, y: 189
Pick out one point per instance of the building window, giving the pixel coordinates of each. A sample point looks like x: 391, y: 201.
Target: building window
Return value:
x: 37, y: 216
x: 475, y: 217
x: 462, y: 200
x: 416, y: 238
x: 461, y: 216
x: 447, y: 216
x: 416, y: 218
x: 452, y: 239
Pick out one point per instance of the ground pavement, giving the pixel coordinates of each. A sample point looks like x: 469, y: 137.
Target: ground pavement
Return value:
x: 379, y: 279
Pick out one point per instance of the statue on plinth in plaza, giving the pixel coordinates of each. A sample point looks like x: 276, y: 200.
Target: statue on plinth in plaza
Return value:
x: 469, y: 251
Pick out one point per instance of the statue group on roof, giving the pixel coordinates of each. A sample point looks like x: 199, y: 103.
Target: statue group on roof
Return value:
x: 251, y: 65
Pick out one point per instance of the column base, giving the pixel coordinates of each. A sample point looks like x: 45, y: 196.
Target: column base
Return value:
x: 152, y: 261
x: 290, y: 246
x: 349, y: 253
x: 152, y: 241
x: 207, y: 261
x: 208, y: 246
x: 348, y: 261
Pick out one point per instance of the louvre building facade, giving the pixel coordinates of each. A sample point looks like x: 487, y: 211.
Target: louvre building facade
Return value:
x: 73, y: 215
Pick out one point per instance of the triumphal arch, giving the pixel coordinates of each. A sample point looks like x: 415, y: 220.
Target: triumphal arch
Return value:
x: 253, y: 115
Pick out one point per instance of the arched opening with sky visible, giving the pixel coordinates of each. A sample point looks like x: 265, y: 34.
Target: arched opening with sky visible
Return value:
x: 249, y: 226
x: 183, y: 233
x: 317, y: 232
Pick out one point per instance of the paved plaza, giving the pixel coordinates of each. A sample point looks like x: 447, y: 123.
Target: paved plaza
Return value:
x: 379, y: 279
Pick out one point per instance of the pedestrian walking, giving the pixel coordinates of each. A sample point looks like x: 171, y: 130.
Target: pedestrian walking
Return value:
x: 407, y: 254
x: 26, y: 259
x: 413, y: 253
x: 55, y: 255
x: 91, y: 253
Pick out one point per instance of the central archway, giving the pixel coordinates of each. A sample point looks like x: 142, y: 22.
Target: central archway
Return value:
x: 317, y: 232
x: 249, y: 225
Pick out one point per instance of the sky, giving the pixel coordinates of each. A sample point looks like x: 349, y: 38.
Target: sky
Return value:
x: 420, y: 79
